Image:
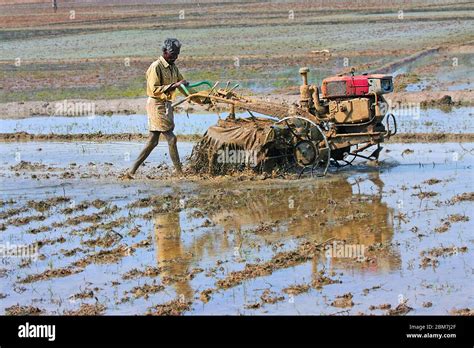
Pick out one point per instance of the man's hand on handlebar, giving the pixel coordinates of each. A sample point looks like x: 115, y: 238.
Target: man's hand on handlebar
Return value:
x: 179, y: 83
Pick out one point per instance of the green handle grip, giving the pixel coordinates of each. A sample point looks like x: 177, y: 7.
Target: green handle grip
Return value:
x: 207, y: 83
x: 185, y: 90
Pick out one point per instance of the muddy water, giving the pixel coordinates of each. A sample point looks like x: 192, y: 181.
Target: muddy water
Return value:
x: 194, y: 124
x: 61, y: 154
x: 458, y: 120
x: 198, y: 232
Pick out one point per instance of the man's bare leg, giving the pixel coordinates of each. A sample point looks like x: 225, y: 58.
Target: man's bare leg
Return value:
x: 153, y: 140
x: 172, y: 144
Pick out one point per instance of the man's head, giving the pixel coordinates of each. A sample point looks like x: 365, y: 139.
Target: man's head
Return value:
x: 171, y: 49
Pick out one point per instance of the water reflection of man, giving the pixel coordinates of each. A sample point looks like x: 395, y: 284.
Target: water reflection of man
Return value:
x: 170, y: 252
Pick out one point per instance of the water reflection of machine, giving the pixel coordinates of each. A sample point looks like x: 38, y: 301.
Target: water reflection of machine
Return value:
x: 336, y: 213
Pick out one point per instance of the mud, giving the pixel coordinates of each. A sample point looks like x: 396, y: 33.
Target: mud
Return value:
x: 105, y: 256
x: 174, y: 307
x: 23, y: 136
x: 462, y: 311
x: 148, y: 272
x: 383, y: 306
x: 55, y: 273
x: 23, y: 310
x: 394, y: 238
x: 87, y: 309
x: 400, y: 309
x: 186, y: 247
x: 295, y: 289
x: 109, y: 107
x: 146, y: 290
x: 463, y: 197
x: 303, y: 253
x: 396, y: 65
x: 83, y: 295
x: 246, y: 135
x: 343, y: 301
x: 403, y: 138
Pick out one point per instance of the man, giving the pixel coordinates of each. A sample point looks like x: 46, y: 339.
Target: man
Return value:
x: 162, y: 80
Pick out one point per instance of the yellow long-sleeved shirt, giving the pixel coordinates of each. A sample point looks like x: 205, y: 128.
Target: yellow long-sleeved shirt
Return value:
x: 159, y: 78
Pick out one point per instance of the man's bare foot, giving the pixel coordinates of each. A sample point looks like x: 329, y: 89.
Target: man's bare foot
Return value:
x: 178, y: 173
x: 178, y: 170
x: 126, y: 176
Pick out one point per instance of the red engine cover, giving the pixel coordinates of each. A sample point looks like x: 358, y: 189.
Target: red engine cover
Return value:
x: 347, y: 86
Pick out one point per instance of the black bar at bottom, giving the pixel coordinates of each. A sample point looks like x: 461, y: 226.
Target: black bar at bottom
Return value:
x: 105, y: 330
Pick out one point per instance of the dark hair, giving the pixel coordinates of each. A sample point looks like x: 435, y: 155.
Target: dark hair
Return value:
x: 171, y: 45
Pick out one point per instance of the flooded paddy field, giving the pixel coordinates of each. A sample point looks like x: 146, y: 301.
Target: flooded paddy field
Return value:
x: 387, y: 238
x: 115, y: 124
x: 432, y: 120
x: 392, y: 239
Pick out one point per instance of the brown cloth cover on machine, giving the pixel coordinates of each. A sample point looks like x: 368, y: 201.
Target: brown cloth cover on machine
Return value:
x: 237, y: 134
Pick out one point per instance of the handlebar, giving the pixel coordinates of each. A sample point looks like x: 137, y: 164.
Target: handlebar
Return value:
x: 204, y: 94
x: 185, y: 89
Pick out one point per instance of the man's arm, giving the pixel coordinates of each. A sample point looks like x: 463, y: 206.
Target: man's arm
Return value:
x: 181, y: 81
x: 155, y: 83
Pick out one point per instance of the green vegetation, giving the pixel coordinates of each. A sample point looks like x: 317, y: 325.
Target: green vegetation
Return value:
x: 85, y: 60
x: 403, y: 80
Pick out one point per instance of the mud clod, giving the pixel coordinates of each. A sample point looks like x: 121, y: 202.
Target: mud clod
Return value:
x: 463, y: 197
x: 146, y: 290
x: 271, y: 297
x: 462, y: 311
x: 343, y: 301
x: 458, y: 218
x: 87, y: 309
x: 23, y: 310
x: 205, y: 295
x: 147, y: 272
x: 173, y: 307
x: 401, y: 309
x: 383, y: 306
x: 105, y: 256
x: 296, y: 289
x: 55, y: 273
